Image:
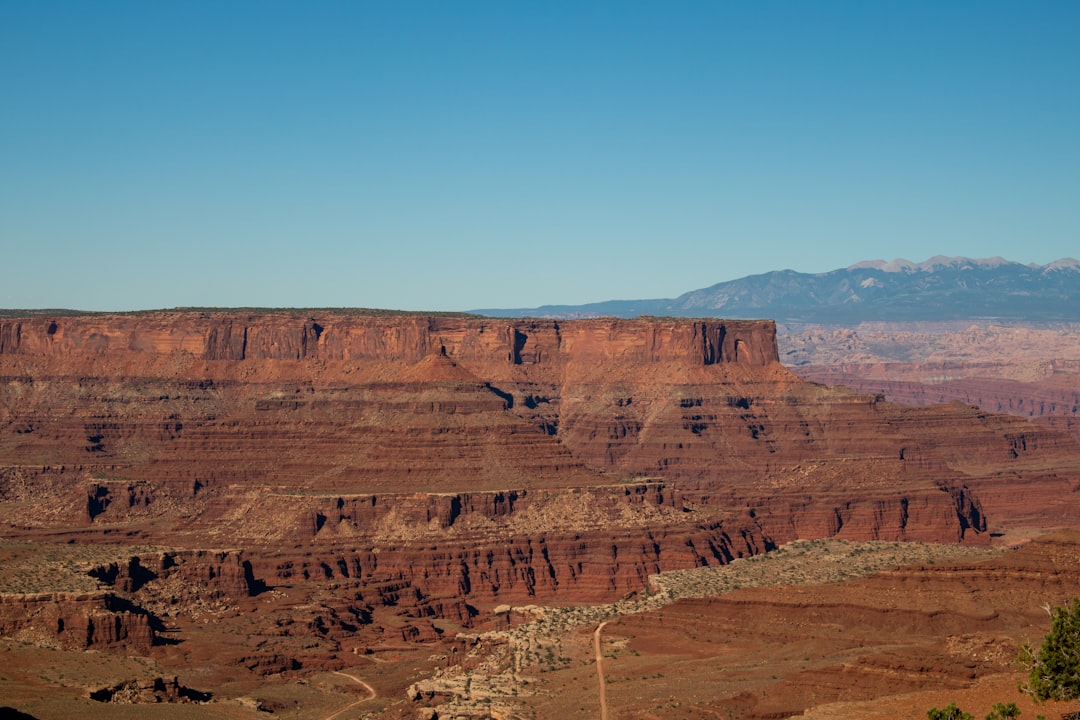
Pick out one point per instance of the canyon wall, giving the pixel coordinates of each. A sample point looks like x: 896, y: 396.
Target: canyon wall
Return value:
x: 396, y: 338
x: 443, y: 465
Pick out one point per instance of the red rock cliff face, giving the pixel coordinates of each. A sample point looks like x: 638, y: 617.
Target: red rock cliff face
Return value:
x: 405, y: 339
x: 79, y: 621
x: 477, y: 458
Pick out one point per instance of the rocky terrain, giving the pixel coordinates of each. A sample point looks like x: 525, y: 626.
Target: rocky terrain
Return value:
x: 1031, y: 369
x: 252, y: 502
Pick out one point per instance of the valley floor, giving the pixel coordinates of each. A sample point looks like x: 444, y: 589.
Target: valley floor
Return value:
x: 823, y: 629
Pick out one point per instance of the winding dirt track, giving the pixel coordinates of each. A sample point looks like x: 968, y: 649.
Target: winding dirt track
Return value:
x: 351, y: 705
x: 600, y: 670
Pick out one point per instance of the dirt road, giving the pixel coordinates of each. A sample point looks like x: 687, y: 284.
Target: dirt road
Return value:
x: 600, y: 670
x: 371, y: 696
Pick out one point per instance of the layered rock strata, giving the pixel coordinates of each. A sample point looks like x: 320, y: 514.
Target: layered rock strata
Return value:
x: 442, y: 465
x: 80, y: 621
x: 1027, y: 369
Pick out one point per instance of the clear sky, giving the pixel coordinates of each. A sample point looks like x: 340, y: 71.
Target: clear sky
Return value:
x: 449, y: 155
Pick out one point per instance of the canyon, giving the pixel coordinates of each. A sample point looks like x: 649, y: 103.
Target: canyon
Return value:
x: 250, y: 501
x: 1028, y: 369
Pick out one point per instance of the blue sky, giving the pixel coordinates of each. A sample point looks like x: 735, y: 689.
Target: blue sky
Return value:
x: 453, y: 155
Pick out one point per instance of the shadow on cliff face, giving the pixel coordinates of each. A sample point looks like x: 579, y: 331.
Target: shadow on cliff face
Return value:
x: 129, y: 578
x: 119, y: 604
x: 255, y: 585
x: 10, y: 713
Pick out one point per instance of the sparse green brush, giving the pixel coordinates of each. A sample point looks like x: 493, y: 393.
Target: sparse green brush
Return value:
x: 948, y: 713
x: 1054, y: 667
x: 1002, y: 711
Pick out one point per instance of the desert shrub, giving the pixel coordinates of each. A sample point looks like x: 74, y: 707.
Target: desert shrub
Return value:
x: 1054, y: 667
x: 1001, y: 711
x: 948, y: 713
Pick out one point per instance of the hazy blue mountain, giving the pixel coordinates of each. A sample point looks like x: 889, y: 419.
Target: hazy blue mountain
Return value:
x: 941, y: 288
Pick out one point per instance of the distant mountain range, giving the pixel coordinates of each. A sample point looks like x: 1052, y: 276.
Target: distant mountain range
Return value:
x: 942, y: 288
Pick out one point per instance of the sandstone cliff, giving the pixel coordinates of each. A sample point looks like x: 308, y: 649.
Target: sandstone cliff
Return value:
x: 97, y: 620
x: 402, y: 338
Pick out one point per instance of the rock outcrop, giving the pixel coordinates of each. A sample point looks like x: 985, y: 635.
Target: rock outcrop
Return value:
x: 82, y: 621
x: 221, y: 572
x: 148, y: 691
